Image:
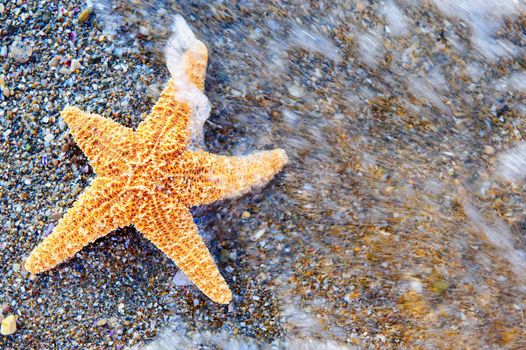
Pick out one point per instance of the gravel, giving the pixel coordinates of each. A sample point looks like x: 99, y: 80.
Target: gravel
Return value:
x: 384, y: 232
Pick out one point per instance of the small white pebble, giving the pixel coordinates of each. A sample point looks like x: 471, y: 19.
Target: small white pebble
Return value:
x: 295, y: 91
x: 75, y: 64
x: 48, y: 137
x: 54, y: 61
x: 257, y: 235
x: 20, y: 52
x: 8, y: 325
x: 489, y: 150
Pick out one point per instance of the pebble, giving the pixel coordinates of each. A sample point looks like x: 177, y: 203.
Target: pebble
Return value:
x: 2, y: 8
x: 3, y: 51
x: 20, y: 52
x: 49, y: 137
x: 245, y: 214
x: 440, y: 286
x: 489, y: 150
x: 84, y: 15
x: 180, y: 279
x: 75, y: 64
x: 8, y: 325
x: 54, y: 61
x: 257, y: 235
x: 64, y: 70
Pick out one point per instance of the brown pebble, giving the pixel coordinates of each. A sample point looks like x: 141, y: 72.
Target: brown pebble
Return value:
x: 84, y: 15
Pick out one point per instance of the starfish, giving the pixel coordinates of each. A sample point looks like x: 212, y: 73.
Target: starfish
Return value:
x: 150, y: 177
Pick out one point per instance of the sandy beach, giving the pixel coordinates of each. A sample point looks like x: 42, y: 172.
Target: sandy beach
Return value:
x: 398, y: 224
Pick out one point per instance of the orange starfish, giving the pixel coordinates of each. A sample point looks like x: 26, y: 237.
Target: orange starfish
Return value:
x: 149, y: 178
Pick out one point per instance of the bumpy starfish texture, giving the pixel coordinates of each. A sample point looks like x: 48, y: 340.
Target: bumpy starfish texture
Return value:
x: 149, y: 178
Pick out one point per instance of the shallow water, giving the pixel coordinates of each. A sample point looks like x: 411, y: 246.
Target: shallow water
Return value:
x: 396, y: 223
x: 400, y: 221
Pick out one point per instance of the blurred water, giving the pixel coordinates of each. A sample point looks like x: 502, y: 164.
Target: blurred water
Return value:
x: 403, y: 208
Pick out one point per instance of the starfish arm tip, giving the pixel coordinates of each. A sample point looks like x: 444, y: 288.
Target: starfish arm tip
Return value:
x: 30, y: 267
x: 69, y: 113
x: 282, y: 156
x: 224, y: 298
x: 200, y: 48
x: 34, y: 265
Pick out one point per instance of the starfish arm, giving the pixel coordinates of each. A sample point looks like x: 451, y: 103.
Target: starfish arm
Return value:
x: 172, y: 119
x: 102, y: 140
x: 96, y: 212
x: 195, y: 60
x: 172, y: 229
x: 234, y: 176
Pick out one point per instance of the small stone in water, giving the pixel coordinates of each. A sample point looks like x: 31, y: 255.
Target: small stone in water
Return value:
x: 489, y: 150
x: 295, y: 91
x: 245, y: 214
x: 2, y: 8
x: 440, y: 286
x: 8, y: 325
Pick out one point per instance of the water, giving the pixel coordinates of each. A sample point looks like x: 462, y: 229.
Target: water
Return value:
x: 400, y: 221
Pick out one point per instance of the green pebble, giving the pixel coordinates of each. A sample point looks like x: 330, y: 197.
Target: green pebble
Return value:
x: 440, y: 286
